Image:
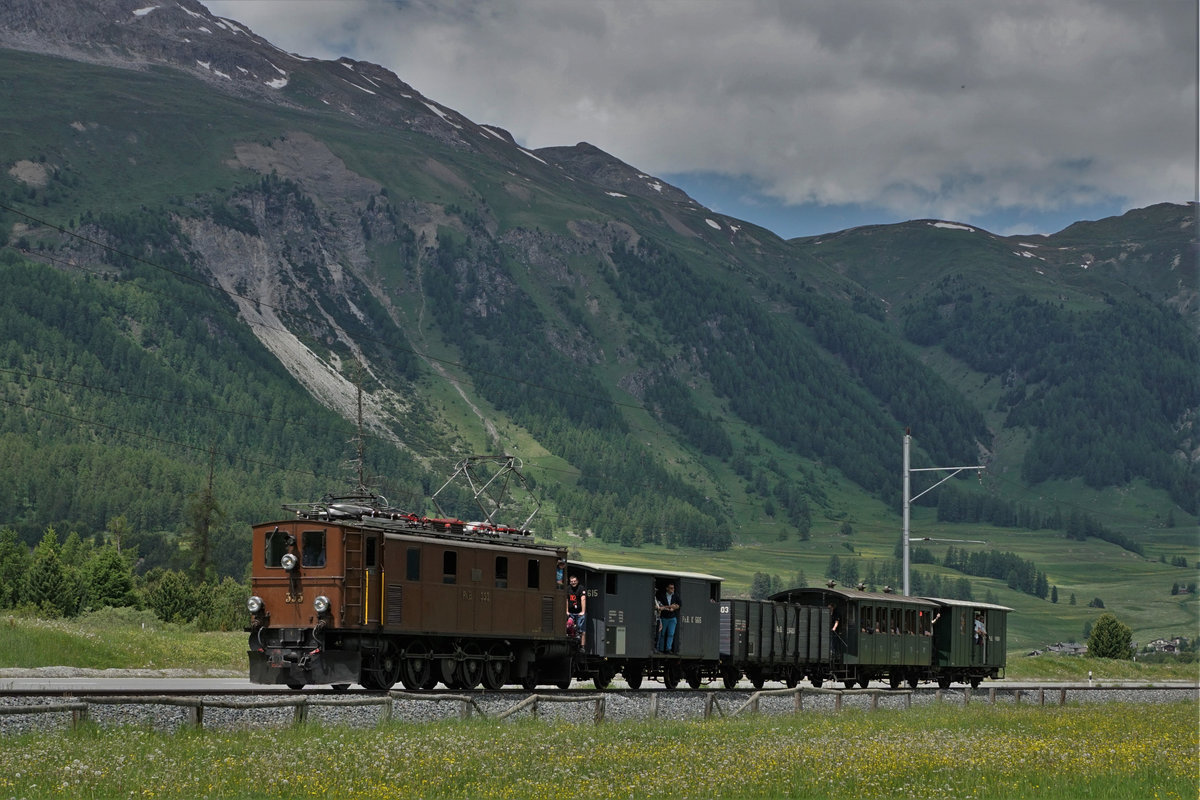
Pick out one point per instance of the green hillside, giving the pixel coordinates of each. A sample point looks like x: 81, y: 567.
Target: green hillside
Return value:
x: 198, y: 283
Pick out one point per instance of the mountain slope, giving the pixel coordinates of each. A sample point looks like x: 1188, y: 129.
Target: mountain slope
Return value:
x: 281, y: 231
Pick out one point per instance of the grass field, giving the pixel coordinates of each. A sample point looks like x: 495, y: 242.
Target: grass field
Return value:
x: 984, y: 753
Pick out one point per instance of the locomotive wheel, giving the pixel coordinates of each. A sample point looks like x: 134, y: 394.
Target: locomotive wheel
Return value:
x: 430, y: 680
x: 416, y: 668
x: 848, y: 683
x: 529, y: 682
x: 295, y: 687
x: 497, y: 668
x: 446, y: 670
x: 975, y: 681
x: 816, y: 682
x: 380, y: 671
x: 691, y: 674
x: 730, y: 677
x: 339, y: 687
x: 469, y: 671
x: 633, y: 677
x: 864, y: 682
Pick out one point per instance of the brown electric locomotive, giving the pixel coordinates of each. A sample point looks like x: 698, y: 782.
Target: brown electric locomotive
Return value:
x: 350, y: 591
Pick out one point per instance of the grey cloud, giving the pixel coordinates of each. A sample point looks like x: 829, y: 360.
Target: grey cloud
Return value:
x: 933, y: 107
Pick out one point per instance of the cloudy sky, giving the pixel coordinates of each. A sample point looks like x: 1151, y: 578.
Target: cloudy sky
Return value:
x: 809, y: 116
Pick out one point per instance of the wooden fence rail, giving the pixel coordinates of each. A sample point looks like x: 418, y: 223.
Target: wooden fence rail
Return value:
x: 468, y: 704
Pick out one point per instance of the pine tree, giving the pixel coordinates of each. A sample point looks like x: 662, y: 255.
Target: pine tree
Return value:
x: 46, y: 582
x: 1110, y: 638
x: 109, y: 579
x: 14, y: 565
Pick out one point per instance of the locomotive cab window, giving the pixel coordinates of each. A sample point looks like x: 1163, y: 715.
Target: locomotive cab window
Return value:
x: 610, y: 583
x: 535, y: 574
x: 412, y: 565
x: 277, y: 544
x: 449, y: 566
x: 371, y: 553
x: 501, y: 572
x: 312, y: 548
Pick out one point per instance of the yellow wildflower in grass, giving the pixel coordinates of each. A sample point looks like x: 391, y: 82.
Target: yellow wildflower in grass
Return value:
x: 984, y: 753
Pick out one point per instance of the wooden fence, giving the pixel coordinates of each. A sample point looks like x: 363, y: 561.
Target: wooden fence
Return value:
x: 468, y: 704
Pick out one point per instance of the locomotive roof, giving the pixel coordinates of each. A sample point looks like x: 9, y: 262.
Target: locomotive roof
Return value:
x: 852, y: 595
x: 640, y: 571
x: 468, y: 534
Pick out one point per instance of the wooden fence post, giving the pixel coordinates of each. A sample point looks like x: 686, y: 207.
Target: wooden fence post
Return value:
x: 654, y: 705
x: 196, y: 715
x: 300, y: 712
x: 798, y: 701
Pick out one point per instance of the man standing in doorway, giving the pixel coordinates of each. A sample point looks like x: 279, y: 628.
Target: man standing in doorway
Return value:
x: 667, y: 604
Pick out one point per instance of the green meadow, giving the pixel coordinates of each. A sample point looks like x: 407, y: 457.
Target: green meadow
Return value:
x: 933, y: 753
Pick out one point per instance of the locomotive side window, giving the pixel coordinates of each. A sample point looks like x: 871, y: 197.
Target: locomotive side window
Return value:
x: 610, y: 583
x: 312, y: 548
x: 276, y: 547
x: 412, y: 566
x: 501, y: 572
x: 371, y: 553
x: 535, y: 575
x: 449, y: 566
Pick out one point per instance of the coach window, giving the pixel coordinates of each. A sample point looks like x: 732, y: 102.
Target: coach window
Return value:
x: 535, y: 575
x: 895, y: 620
x: 412, y: 564
x: 867, y: 616
x: 312, y: 548
x: 449, y: 566
x: 501, y: 572
x: 910, y: 621
x: 276, y: 547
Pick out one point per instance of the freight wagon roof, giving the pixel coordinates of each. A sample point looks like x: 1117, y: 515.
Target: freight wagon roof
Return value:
x: 640, y: 571
x: 968, y: 604
x: 851, y: 595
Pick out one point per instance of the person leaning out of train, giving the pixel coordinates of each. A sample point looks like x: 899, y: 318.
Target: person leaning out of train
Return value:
x: 980, y: 630
x: 577, y: 608
x: 667, y: 605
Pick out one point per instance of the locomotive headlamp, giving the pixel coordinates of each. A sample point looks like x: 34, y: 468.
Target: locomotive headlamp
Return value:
x: 254, y: 604
x: 289, y: 561
x: 321, y: 604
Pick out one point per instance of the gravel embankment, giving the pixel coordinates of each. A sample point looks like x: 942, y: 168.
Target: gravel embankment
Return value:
x: 676, y: 705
